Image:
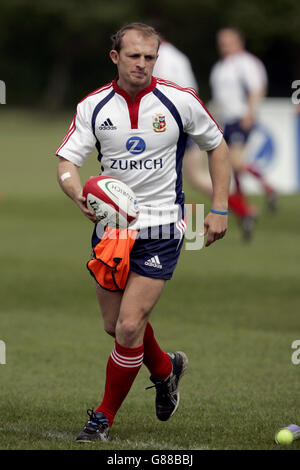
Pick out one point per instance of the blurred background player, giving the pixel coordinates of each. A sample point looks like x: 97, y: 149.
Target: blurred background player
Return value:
x: 239, y: 82
x: 175, y: 66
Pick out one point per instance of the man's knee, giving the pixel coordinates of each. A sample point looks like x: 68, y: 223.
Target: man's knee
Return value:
x: 131, y: 326
x: 110, y: 329
x: 238, y: 165
x: 236, y: 153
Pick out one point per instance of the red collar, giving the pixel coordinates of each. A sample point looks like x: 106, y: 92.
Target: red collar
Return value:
x: 133, y: 105
x: 140, y: 94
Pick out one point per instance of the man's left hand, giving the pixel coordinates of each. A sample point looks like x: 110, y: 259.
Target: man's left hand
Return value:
x: 215, y: 226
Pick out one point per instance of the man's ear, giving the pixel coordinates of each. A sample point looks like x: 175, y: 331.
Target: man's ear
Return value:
x: 114, y: 56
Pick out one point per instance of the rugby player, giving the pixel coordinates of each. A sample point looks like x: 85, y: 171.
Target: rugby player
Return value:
x: 173, y: 65
x: 239, y: 82
x: 139, y: 125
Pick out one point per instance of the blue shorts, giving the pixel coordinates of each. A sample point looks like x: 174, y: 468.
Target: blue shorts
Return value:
x: 235, y: 134
x: 155, y: 252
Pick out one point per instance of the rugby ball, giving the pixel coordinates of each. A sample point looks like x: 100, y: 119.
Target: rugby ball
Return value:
x: 113, y: 202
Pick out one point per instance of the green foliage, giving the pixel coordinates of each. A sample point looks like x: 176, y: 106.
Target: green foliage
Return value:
x: 60, y: 48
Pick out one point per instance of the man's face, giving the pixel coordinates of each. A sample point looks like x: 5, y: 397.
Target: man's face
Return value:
x: 136, y: 59
x: 229, y: 42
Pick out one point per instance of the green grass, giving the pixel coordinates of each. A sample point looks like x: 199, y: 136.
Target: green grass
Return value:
x: 233, y: 307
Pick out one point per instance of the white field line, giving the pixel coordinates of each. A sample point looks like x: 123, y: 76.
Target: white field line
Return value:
x: 139, y: 445
x: 65, y: 436
x: 162, y: 445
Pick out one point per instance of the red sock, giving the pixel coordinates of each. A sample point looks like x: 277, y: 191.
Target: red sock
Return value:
x: 236, y: 175
x: 238, y: 204
x: 157, y: 361
x: 122, y: 368
x: 260, y: 177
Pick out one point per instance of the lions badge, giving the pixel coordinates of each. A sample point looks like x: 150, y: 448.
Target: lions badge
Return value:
x: 159, y: 123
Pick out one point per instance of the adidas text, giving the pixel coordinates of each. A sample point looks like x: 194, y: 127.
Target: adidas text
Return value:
x: 107, y: 126
x: 153, y: 262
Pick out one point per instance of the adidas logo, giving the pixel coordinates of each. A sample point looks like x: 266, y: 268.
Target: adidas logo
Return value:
x: 154, y: 262
x: 107, y: 126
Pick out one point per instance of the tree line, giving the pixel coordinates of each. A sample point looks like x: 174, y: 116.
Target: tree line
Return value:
x: 53, y: 52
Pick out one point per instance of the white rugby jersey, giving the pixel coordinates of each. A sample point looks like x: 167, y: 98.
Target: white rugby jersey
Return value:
x: 174, y: 65
x: 142, y: 142
x: 231, y: 80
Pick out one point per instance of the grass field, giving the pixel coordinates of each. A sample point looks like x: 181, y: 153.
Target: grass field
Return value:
x: 232, y: 307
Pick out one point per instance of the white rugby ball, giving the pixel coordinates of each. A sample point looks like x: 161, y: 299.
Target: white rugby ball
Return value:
x: 113, y: 202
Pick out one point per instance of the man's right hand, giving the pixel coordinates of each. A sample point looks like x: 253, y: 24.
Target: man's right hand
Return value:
x: 80, y: 201
x: 69, y: 181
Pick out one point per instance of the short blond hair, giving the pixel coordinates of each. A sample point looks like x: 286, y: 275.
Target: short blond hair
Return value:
x: 141, y: 27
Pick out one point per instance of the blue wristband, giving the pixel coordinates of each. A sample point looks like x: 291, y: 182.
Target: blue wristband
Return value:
x: 218, y: 212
